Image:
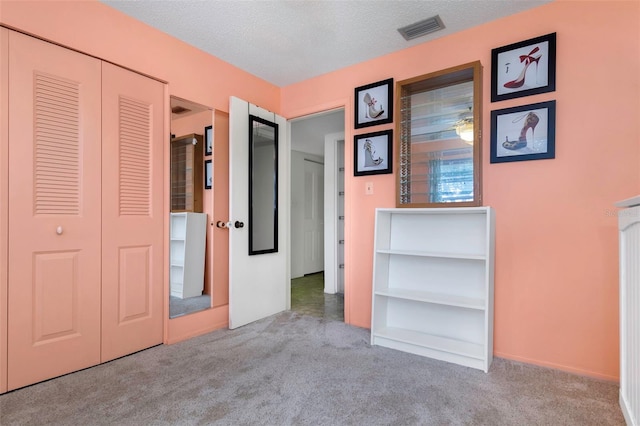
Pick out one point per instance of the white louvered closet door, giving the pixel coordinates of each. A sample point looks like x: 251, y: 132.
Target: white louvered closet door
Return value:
x: 54, y: 211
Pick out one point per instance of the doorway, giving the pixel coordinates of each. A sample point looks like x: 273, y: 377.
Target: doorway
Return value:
x: 317, y: 214
x: 190, y: 265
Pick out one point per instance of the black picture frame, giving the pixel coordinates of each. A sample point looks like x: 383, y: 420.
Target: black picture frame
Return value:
x: 208, y: 174
x: 208, y: 140
x: 524, y: 68
x: 372, y: 153
x: 374, y: 104
x: 524, y: 132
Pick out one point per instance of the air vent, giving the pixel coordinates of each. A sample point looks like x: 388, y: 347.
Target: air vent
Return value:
x: 421, y: 28
x: 179, y: 110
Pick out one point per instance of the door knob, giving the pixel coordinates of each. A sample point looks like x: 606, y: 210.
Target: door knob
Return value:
x: 239, y: 224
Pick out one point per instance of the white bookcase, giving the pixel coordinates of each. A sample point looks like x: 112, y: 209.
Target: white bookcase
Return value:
x: 629, y: 246
x: 433, y: 283
x: 188, y: 237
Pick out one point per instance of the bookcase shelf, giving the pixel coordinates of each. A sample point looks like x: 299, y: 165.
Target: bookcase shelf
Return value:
x: 433, y: 254
x: 437, y: 298
x: 187, y: 251
x: 433, y: 283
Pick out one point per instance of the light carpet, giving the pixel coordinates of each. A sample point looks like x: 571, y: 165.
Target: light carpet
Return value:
x: 292, y: 369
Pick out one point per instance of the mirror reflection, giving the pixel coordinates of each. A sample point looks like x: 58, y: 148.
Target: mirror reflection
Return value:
x: 191, y: 206
x: 263, y: 186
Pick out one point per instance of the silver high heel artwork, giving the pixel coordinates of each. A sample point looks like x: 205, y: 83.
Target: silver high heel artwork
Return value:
x: 369, y: 155
x: 371, y: 112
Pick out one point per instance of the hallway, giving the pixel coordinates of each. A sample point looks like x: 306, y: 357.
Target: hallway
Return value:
x: 308, y: 298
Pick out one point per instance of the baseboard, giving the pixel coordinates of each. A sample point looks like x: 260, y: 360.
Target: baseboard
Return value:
x: 561, y: 367
x: 196, y: 324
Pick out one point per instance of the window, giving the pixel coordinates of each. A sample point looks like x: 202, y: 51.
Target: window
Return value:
x: 439, y: 150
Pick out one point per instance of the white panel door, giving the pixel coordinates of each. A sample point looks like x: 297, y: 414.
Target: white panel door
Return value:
x: 313, y: 217
x: 259, y: 284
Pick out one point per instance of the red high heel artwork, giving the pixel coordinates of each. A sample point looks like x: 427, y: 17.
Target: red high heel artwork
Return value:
x: 531, y: 121
x: 371, y: 111
x: 528, y: 60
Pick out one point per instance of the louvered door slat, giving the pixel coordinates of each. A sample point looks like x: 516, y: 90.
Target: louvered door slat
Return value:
x: 135, y: 149
x: 57, y: 161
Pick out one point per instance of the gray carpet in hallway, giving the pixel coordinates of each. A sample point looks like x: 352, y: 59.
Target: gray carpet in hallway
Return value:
x: 292, y: 369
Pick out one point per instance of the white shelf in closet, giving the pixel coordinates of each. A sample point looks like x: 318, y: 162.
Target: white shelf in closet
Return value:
x: 433, y: 283
x: 187, y: 250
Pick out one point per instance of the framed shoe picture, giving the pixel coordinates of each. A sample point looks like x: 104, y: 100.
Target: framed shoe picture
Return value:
x: 208, y: 174
x: 372, y: 153
x: 525, y: 132
x: 208, y: 140
x: 374, y: 104
x: 524, y: 68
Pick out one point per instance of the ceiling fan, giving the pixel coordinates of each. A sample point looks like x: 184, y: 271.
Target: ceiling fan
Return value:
x: 463, y: 127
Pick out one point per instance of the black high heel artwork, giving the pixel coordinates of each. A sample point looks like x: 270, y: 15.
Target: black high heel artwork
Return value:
x: 369, y: 154
x: 531, y: 121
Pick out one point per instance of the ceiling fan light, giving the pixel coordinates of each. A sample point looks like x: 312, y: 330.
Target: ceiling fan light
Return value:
x: 465, y: 131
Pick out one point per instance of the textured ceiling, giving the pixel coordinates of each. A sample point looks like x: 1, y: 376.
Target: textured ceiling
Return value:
x: 285, y: 42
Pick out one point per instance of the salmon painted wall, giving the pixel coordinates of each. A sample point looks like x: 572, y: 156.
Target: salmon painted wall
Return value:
x: 4, y: 201
x: 556, y: 281
x: 94, y: 28
x: 556, y: 261
x: 221, y: 208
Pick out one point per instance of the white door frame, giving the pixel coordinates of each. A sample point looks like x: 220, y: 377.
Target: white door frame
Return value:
x: 331, y: 266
